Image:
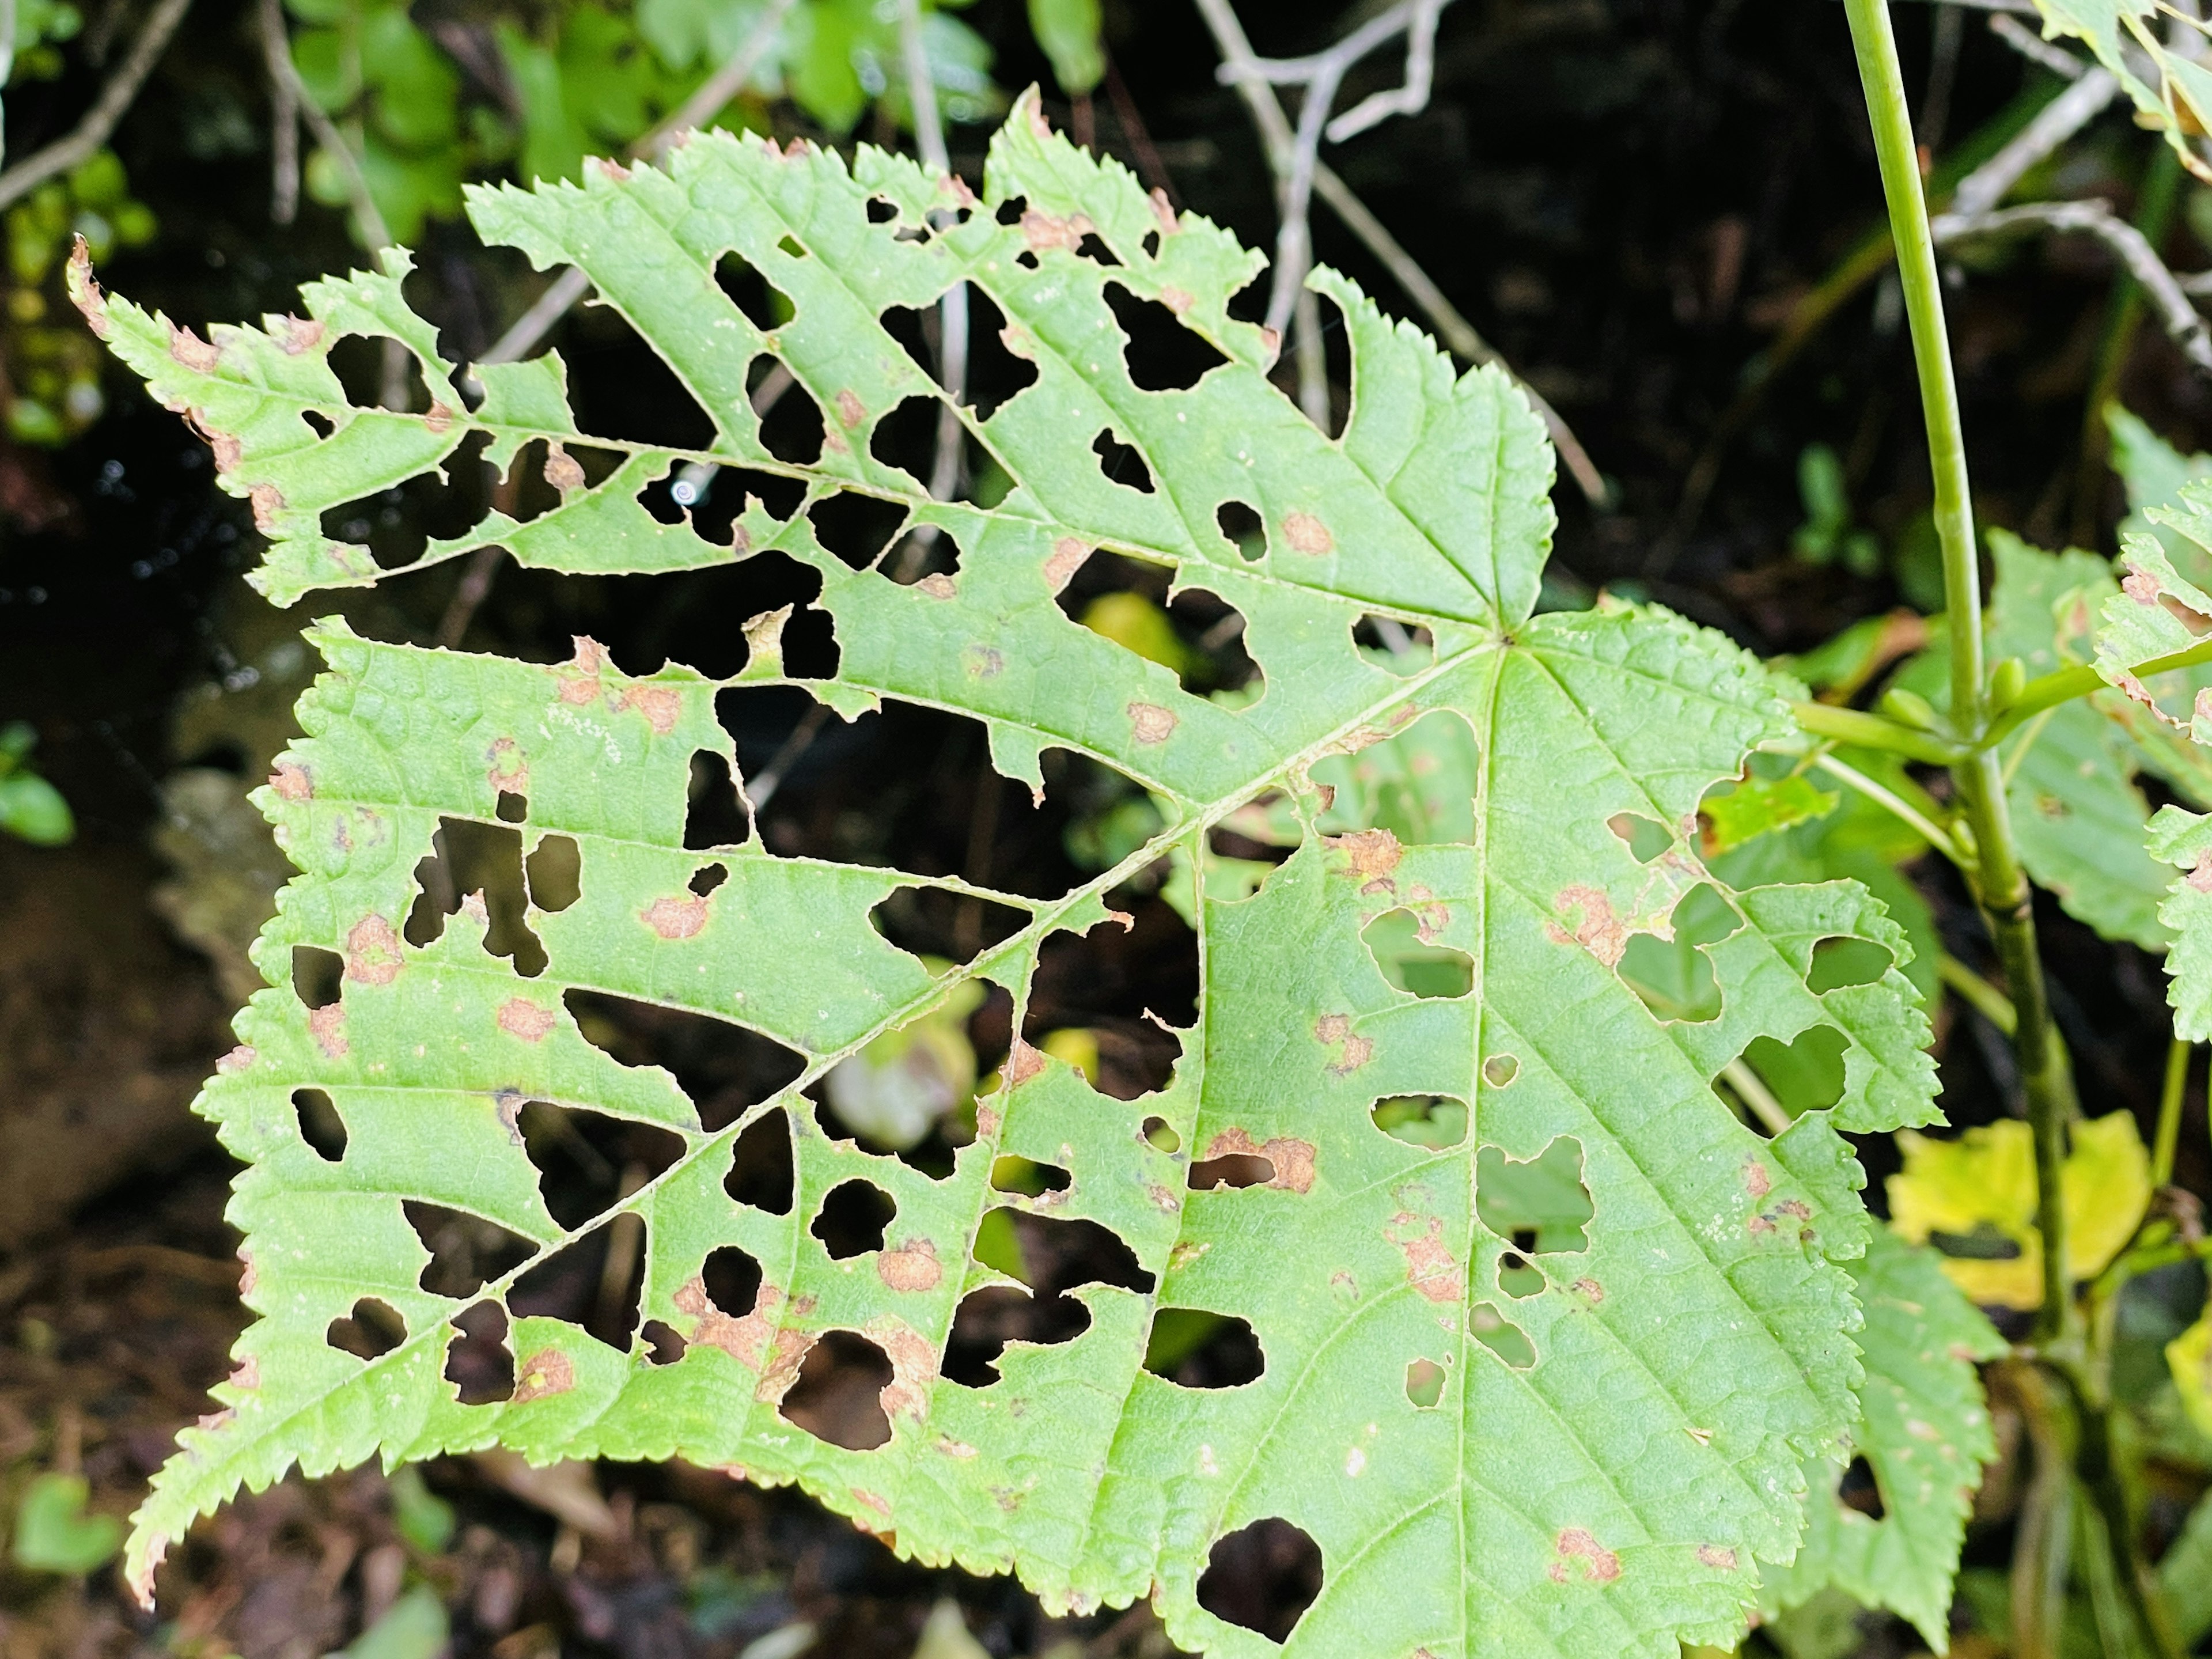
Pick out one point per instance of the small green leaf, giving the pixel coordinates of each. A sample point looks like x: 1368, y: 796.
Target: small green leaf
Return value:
x: 413, y: 1628
x: 33, y: 809
x: 1068, y: 32
x: 1735, y: 814
x: 54, y: 1532
x: 422, y: 1518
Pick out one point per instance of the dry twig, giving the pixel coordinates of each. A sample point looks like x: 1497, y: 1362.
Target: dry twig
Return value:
x: 80, y: 146
x: 284, y: 115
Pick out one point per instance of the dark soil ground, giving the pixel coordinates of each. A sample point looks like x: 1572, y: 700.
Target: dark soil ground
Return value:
x: 1627, y: 197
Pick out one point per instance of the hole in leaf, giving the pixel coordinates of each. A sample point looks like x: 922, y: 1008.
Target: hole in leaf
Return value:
x: 1499, y: 1071
x: 1095, y: 250
x: 930, y: 922
x: 1840, y: 962
x: 838, y: 1397
x: 761, y: 1173
x: 1050, y: 1257
x: 1195, y: 1349
x: 620, y: 387
x: 707, y: 878
x: 1672, y: 977
x: 510, y: 807
x: 713, y: 816
x: 1433, y: 1121
x: 1262, y: 1577
x: 988, y: 1319
x: 468, y: 857
x: 1127, y: 989
x: 1231, y: 1170
x: 1161, y: 1135
x: 320, y: 424
x: 723, y: 1068
x: 664, y: 1343
x: 1390, y: 645
x: 905, y: 437
x: 1120, y: 463
x: 765, y: 306
x: 479, y: 1361
x: 1241, y: 527
x: 1011, y: 211
x: 320, y: 1126
x: 1412, y: 963
x: 1031, y: 1180
x: 1517, y: 1276
x: 554, y: 873
x: 1644, y: 838
x: 1807, y: 1074
x: 1501, y: 1336
x: 1425, y: 1384
x: 593, y: 1282
x: 372, y: 1330
x: 465, y: 1250
x: 852, y: 1220
x: 856, y: 528
x: 794, y: 430
x: 1051, y: 1254
x: 1160, y: 354
x: 587, y: 1161
x: 789, y: 244
x: 1540, y: 1203
x: 316, y: 974
x: 1859, y: 1490
x: 731, y: 1280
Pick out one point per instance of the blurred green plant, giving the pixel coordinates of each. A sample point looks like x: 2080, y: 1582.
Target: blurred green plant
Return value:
x: 53, y: 1532
x: 31, y: 809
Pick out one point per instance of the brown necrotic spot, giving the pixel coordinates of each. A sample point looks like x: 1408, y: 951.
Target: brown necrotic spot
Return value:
x: 1066, y: 558
x: 326, y: 1025
x: 194, y: 353
x: 563, y: 470
x: 912, y: 1266
x: 291, y: 781
x: 661, y: 705
x: 520, y: 1017
x: 372, y: 952
x: 544, y: 1374
x: 1717, y: 1557
x: 1370, y: 858
x: 1600, y: 1565
x: 1150, y: 723
x: 674, y: 917
x: 1429, y: 1264
x: 1596, y: 928
x: 1281, y: 1162
x: 1307, y: 534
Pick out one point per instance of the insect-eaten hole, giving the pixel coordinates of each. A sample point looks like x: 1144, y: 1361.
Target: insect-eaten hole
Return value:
x: 1518, y: 1276
x: 1392, y: 646
x: 511, y: 807
x: 1435, y: 1122
x: 732, y: 1279
x: 593, y: 1281
x: 1195, y: 1349
x: 663, y: 1344
x: 1501, y: 1336
x: 988, y: 1320
x: 761, y: 1174
x: 996, y: 372
x: 1805, y: 1075
x: 905, y: 436
x: 479, y: 1364
x: 371, y: 1331
x: 1160, y: 1135
x: 793, y: 431
x: 553, y: 873
x: 1242, y: 528
x: 1645, y: 838
x: 621, y: 388
x: 856, y: 528
x: 1410, y: 962
x: 465, y: 1250
x: 468, y: 857
x: 1160, y: 354
x: 765, y: 305
x: 713, y: 816
x: 1425, y: 1384
x: 1027, y: 1177
x: 1859, y: 1490
x: 1120, y: 462
x: 1231, y: 1170
x: 1499, y: 1071
x: 1050, y: 1256
x: 839, y: 1395
x: 1130, y: 990
x: 852, y: 1220
x: 320, y: 1126
x: 1840, y: 962
x: 318, y: 422
x: 318, y: 975
x: 1262, y: 1577
x: 1674, y: 978
x: 724, y: 1068
x: 396, y: 524
x: 931, y: 922
x: 1196, y: 634
x: 587, y: 1161
x: 1540, y: 1203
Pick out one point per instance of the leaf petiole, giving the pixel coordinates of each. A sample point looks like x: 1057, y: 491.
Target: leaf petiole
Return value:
x: 1864, y: 731
x: 2064, y: 685
x: 1920, y: 825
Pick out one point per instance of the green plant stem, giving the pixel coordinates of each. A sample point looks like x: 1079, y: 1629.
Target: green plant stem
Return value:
x: 2064, y: 685
x: 1866, y: 731
x: 2169, y: 1112
x: 1906, y: 812
x: 1977, y: 992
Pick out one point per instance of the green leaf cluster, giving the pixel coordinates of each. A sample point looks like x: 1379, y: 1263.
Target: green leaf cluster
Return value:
x: 1475, y: 1391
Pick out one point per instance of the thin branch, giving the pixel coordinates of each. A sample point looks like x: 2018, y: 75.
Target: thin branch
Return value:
x: 2127, y: 244
x: 2030, y: 44
x: 1922, y: 825
x: 2169, y: 1111
x: 1150, y: 167
x: 1758, y: 1099
x: 284, y: 115
x: 6, y: 60
x: 2054, y: 124
x: 716, y: 90
x: 1413, y: 97
x: 81, y: 145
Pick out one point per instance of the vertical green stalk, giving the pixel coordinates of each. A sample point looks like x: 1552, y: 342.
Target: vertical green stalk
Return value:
x: 2169, y: 1112
x: 2000, y: 883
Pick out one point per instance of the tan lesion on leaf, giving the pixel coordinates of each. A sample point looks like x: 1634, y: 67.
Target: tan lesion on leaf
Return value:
x: 520, y: 1017
x: 913, y: 1367
x: 850, y: 409
x: 1023, y: 1062
x: 1307, y: 534
x: 937, y: 585
x: 326, y: 1025
x: 1149, y: 723
x: 661, y: 705
x: 544, y: 1374
x: 506, y: 768
x: 91, y: 306
x: 437, y: 418
x: 1597, y: 928
x: 1041, y: 231
x: 298, y: 335
x: 1353, y: 1050
x: 563, y: 470
x: 2200, y: 874
x: 675, y: 916
x: 912, y: 1266
x: 372, y: 951
x: 268, y: 501
x: 237, y: 1060
x: 1164, y: 210
x: 1429, y: 1264
x: 1600, y: 1565
x: 194, y: 353
x: 292, y: 781
x: 1066, y: 559
x: 1370, y: 858
x: 1717, y: 1556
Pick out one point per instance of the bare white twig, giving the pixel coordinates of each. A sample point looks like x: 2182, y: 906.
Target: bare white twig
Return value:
x: 716, y: 90
x: 2054, y: 124
x: 2128, y: 245
x: 284, y: 115
x: 1413, y: 97
x: 2031, y: 46
x: 1459, y: 335
x: 106, y: 110
x: 7, y: 59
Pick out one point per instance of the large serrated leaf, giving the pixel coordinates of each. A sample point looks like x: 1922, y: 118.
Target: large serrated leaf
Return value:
x: 1925, y: 1431
x: 1607, y: 1497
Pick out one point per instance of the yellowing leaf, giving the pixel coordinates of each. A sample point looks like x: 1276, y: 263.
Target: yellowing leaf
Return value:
x: 1981, y: 1187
